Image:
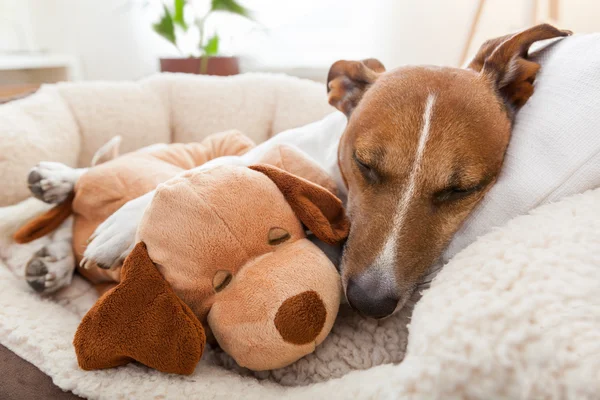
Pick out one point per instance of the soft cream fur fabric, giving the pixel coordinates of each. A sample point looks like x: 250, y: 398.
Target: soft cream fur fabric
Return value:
x: 514, y: 316
x: 68, y: 122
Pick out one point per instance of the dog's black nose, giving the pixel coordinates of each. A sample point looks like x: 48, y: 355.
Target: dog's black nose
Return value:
x: 370, y: 300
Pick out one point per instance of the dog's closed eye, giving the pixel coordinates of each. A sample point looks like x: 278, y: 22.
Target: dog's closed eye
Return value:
x: 455, y: 193
x: 278, y: 236
x: 368, y: 172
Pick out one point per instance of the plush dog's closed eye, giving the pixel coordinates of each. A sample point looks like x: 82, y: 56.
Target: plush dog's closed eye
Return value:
x: 221, y: 279
x: 278, y: 236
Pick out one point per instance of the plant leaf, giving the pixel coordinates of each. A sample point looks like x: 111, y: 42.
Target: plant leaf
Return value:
x: 178, y: 14
x: 231, y: 6
x: 212, y: 46
x: 165, y: 27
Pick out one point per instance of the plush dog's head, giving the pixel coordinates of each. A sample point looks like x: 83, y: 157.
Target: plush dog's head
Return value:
x: 422, y: 147
x: 231, y: 249
x: 231, y: 243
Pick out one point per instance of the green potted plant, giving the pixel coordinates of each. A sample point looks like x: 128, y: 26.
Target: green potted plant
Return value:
x: 205, y: 58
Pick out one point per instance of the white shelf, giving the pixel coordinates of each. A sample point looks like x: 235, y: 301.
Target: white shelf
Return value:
x: 34, y: 61
x: 34, y: 67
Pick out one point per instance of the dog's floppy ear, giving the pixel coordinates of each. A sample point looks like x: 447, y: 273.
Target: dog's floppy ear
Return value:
x: 347, y: 81
x: 504, y: 62
x: 142, y: 320
x: 318, y: 209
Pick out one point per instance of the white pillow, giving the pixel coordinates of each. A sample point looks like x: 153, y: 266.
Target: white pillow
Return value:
x: 555, y: 146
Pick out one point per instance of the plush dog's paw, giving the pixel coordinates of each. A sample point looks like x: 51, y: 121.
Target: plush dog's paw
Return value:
x: 113, y: 240
x: 106, y: 254
x: 110, y: 245
x: 52, y: 182
x: 48, y: 270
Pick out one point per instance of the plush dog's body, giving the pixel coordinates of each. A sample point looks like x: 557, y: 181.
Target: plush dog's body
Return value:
x: 254, y: 297
x: 421, y: 147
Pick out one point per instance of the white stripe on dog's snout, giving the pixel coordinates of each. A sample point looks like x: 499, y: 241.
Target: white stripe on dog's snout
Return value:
x: 387, y: 256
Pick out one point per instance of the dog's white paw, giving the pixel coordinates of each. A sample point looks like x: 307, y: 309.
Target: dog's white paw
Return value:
x: 51, y: 268
x: 114, y: 239
x: 52, y: 182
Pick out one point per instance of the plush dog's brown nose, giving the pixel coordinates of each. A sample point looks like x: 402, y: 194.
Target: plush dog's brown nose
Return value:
x: 371, y: 300
x: 301, y: 318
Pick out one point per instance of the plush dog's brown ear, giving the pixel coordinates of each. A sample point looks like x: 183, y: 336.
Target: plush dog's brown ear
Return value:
x: 318, y: 209
x: 347, y: 81
x: 141, y: 320
x: 504, y: 62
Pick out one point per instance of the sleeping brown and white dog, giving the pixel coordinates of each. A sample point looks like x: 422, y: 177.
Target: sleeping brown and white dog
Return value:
x: 413, y: 151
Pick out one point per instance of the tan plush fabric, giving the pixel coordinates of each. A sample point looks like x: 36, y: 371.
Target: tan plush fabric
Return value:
x: 68, y: 122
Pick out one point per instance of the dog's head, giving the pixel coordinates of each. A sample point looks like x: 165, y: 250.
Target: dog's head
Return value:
x: 422, y: 147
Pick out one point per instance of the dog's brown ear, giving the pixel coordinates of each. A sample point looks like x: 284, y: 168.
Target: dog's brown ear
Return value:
x: 318, y: 209
x: 141, y: 320
x: 347, y: 81
x: 504, y: 62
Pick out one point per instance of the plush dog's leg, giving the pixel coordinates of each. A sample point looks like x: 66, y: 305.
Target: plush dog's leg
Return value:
x: 53, y: 182
x: 191, y: 155
x: 114, y: 239
x: 51, y: 268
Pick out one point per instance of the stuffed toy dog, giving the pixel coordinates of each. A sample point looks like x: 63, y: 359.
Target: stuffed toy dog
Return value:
x: 222, y: 255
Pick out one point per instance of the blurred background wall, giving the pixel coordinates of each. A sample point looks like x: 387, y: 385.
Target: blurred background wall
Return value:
x: 113, y: 39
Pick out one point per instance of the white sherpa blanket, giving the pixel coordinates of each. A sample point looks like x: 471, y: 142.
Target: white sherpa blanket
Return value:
x: 514, y: 316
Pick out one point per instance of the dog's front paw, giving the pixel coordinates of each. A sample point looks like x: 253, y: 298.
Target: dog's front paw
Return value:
x: 49, y: 270
x: 52, y: 182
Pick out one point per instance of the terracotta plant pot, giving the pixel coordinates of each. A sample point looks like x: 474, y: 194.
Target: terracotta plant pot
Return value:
x: 222, y: 66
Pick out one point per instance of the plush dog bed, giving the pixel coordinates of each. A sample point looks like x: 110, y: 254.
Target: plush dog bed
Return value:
x: 514, y: 315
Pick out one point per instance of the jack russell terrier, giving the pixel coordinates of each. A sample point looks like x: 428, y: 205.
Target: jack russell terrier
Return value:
x: 413, y: 151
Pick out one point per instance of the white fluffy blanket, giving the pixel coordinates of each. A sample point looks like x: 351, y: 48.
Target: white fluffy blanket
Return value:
x: 514, y: 316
